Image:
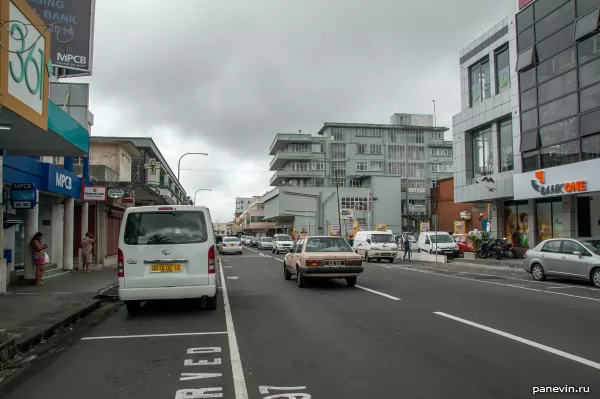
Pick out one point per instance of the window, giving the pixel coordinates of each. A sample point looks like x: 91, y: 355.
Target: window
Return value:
x: 589, y: 49
x: 558, y: 87
x: 525, y: 39
x: 318, y: 166
x: 556, y: 43
x: 376, y: 166
x: 482, y: 152
x: 529, y: 141
x: 356, y: 183
x: 416, y: 186
x: 296, y: 166
x: 559, y: 109
x: 552, y: 246
x: 560, y: 131
x: 590, y: 123
x: 338, y: 182
x: 356, y: 203
x: 561, y: 154
x: 554, y: 21
x: 590, y: 147
x: 375, y: 149
x: 361, y: 148
x: 556, y: 65
x: 362, y: 166
x: 589, y: 73
x: 79, y: 160
x: 543, y: 8
x: 505, y: 145
x: 549, y: 219
x: 415, y: 137
x: 395, y: 137
x: 526, y: 59
x: 436, y: 136
x: 416, y: 153
x: 530, y: 161
x: 317, y: 147
x: 524, y: 19
x: 298, y: 147
x: 590, y: 98
x: 338, y: 151
x: 396, y: 168
x: 502, y: 72
x: 416, y: 170
x: 338, y: 168
x: 395, y: 151
x: 442, y: 152
x: 585, y: 6
x: 367, y: 132
x: 529, y: 99
x: 160, y: 228
x: 440, y: 167
x: 337, y: 134
x: 529, y: 120
x: 527, y: 79
x: 516, y: 227
x: 480, y: 82
x: 586, y: 24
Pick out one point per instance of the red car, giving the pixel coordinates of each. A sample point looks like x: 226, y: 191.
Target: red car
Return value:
x: 464, y: 245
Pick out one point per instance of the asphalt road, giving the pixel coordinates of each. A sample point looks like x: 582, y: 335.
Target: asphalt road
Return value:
x: 407, y: 330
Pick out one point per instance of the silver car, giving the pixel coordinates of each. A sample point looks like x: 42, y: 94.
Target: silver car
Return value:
x: 265, y: 243
x: 574, y: 258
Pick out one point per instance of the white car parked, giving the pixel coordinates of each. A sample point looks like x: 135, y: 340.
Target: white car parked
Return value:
x: 167, y: 252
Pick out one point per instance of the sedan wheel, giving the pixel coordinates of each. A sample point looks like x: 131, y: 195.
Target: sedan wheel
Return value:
x: 286, y: 274
x: 596, y: 277
x: 537, y: 271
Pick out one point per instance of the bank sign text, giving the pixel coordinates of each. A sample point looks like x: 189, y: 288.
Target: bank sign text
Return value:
x: 570, y: 187
x: 64, y: 181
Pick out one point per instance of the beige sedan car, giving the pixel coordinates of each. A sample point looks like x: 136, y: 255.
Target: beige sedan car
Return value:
x: 322, y: 257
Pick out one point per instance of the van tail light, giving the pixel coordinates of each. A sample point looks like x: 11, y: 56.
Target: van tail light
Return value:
x: 120, y: 263
x: 165, y: 208
x: 211, y: 260
x: 353, y: 262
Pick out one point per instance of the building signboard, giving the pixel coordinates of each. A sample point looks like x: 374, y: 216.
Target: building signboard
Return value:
x: 347, y: 214
x: 569, y: 179
x: 25, y: 67
x: 61, y: 181
x: 94, y: 193
x: 23, y: 195
x: 116, y: 193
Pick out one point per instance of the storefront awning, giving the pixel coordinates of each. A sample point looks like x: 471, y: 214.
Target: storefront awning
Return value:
x: 65, y: 136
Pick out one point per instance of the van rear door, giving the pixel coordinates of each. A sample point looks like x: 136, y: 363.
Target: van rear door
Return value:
x: 166, y: 247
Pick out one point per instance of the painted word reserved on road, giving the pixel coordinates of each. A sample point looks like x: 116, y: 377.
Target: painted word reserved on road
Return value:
x: 199, y: 393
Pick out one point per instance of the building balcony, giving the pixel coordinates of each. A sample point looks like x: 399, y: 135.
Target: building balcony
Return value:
x: 283, y: 157
x: 284, y: 174
x: 281, y: 140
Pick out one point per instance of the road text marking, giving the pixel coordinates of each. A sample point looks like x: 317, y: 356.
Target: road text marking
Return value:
x: 263, y: 389
x: 524, y: 341
x: 239, y: 382
x: 377, y: 292
x: 153, y: 335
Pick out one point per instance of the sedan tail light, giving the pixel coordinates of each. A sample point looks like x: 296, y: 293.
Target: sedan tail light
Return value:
x: 240, y: 244
x: 314, y: 263
x: 211, y: 260
x: 354, y: 262
x: 224, y: 244
x: 120, y: 263
x: 525, y: 256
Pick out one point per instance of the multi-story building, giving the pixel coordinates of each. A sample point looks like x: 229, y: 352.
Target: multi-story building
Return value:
x: 381, y: 173
x: 242, y: 203
x: 252, y: 220
x: 556, y: 185
x: 486, y: 131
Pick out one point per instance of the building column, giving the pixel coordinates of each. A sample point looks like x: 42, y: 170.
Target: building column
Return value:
x: 569, y: 216
x: 68, y: 234
x: 101, y: 237
x: 85, y: 211
x: 68, y: 163
x: 31, y: 227
x: 86, y: 168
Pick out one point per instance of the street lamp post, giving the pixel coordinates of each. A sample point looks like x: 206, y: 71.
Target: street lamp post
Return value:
x: 200, y: 189
x: 179, y: 162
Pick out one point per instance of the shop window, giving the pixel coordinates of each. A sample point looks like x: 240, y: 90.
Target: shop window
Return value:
x: 525, y: 39
x: 585, y: 6
x: 524, y: 19
x: 554, y: 21
x: 559, y: 109
x: 556, y: 65
x: 516, y: 229
x: 586, y: 24
x: 502, y: 71
x: 480, y: 81
x: 529, y: 120
x: 558, y: 132
x: 556, y: 43
x: 528, y: 99
x: 530, y: 161
x: 590, y: 123
x: 589, y: 98
x: 482, y: 152
x: 590, y: 147
x: 529, y: 141
x: 527, y: 79
x: 561, y: 154
x: 558, y: 87
x: 526, y: 59
x: 549, y: 219
x: 505, y: 145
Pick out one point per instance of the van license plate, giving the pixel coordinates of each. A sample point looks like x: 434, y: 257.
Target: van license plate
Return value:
x: 165, y: 268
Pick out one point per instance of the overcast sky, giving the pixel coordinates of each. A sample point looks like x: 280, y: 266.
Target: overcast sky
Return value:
x: 224, y: 77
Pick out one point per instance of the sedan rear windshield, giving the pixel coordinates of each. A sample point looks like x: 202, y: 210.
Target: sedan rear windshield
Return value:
x: 327, y: 244
x: 266, y: 239
x: 159, y: 228
x: 231, y: 240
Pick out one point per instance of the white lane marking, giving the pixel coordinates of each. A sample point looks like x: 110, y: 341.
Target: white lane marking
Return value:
x: 377, y: 292
x: 232, y: 278
x: 153, y: 335
x: 500, y: 284
x: 227, y: 267
x: 524, y: 341
x: 56, y: 275
x: 559, y: 287
x: 239, y: 382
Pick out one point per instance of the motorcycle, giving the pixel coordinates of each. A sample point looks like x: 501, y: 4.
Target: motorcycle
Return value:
x: 506, y: 249
x: 485, y: 249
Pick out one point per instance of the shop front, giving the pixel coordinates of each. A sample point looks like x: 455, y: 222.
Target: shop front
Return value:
x: 563, y: 201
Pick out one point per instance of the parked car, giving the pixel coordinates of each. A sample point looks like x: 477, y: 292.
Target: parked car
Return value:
x: 166, y: 252
x: 464, y: 245
x: 375, y: 245
x: 265, y: 243
x: 218, y: 242
x: 322, y: 257
x: 254, y: 242
x: 282, y: 243
x: 573, y: 258
x: 439, y: 242
x: 248, y: 240
x: 231, y: 245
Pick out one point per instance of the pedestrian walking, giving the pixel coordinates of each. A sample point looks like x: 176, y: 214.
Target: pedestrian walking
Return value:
x: 38, y: 251
x: 406, y: 248
x: 87, y: 245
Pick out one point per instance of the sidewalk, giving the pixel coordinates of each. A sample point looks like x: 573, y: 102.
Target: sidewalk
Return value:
x: 30, y: 313
x: 506, y: 263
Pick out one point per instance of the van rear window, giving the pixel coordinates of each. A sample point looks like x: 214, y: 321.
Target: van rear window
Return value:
x: 159, y: 228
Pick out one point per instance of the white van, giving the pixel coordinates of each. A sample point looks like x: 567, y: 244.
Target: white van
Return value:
x: 167, y: 252
x: 437, y: 241
x: 282, y: 243
x: 375, y: 245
